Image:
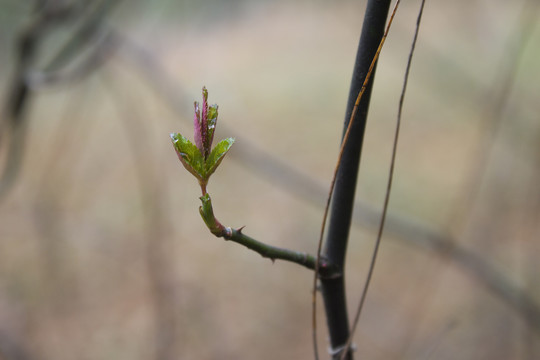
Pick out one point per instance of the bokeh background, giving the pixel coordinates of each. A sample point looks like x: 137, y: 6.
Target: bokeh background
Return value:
x: 103, y: 254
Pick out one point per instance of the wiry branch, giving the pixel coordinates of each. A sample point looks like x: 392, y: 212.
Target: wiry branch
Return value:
x: 343, y: 185
x: 265, y: 250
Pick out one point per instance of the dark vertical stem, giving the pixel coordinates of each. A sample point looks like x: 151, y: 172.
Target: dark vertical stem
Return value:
x: 333, y: 290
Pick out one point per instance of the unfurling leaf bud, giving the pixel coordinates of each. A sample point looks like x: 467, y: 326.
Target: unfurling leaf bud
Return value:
x: 200, y: 159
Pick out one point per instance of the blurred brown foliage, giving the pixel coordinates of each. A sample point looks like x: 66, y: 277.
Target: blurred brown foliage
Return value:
x: 103, y: 254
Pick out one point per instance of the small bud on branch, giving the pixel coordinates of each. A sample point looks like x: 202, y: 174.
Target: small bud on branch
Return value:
x: 200, y: 159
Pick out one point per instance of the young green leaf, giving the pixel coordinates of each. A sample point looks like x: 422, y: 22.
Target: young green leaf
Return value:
x: 217, y: 154
x: 199, y: 158
x: 190, y: 156
x: 211, y: 126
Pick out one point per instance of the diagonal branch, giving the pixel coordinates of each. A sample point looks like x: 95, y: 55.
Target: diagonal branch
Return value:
x: 265, y: 250
x: 343, y: 185
x: 388, y: 186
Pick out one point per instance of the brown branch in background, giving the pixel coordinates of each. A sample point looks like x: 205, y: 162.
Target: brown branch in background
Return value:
x: 87, y: 49
x: 98, y: 56
x: 58, y: 270
x: 489, y: 128
x: 159, y: 264
x: 494, y: 113
x: 496, y: 99
x: 13, y: 123
x: 49, y: 15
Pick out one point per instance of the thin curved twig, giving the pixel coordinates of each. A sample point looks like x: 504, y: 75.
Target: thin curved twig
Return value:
x: 334, y: 178
x: 267, y: 251
x: 388, y: 187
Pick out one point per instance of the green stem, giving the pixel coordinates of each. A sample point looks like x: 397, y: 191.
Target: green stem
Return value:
x: 265, y: 250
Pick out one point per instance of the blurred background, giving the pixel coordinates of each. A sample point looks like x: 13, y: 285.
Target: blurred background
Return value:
x: 103, y: 254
